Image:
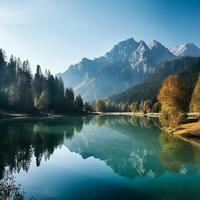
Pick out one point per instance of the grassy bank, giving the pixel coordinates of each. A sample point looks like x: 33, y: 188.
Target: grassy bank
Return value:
x: 188, y: 130
x: 189, y: 133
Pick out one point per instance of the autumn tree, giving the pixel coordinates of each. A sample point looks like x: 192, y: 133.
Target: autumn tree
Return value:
x: 134, y: 107
x: 195, y: 100
x: 99, y: 106
x: 147, y: 106
x: 43, y: 101
x: 171, y: 97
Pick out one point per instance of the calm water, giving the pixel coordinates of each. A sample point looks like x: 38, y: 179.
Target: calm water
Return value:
x: 97, y: 158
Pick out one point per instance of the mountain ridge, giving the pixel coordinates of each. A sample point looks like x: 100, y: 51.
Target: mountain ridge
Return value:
x: 128, y: 63
x: 187, y: 68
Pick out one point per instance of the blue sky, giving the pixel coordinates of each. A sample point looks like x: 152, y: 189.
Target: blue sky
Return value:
x: 57, y: 33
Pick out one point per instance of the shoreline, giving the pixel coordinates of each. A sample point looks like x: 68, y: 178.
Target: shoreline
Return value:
x: 15, y: 115
x: 188, y: 130
x: 189, y: 133
x: 128, y: 114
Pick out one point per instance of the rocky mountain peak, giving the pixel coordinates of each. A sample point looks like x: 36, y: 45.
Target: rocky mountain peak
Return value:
x: 122, y: 51
x: 188, y: 49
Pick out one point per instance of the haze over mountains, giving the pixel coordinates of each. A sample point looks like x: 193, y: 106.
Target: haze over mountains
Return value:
x: 127, y: 64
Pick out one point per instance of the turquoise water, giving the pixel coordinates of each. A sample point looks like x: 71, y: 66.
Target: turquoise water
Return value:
x: 100, y: 157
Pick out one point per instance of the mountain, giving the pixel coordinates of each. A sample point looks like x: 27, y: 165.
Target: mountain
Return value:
x: 187, y: 67
x: 186, y: 50
x: 128, y: 160
x: 128, y: 63
x: 122, y: 51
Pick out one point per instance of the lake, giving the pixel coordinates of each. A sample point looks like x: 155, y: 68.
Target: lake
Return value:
x: 98, y: 157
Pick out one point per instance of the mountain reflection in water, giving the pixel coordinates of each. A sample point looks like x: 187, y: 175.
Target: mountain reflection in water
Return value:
x: 130, y: 146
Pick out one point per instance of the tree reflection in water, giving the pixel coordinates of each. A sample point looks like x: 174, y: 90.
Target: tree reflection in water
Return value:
x: 20, y: 140
x: 9, y: 189
x: 176, y: 154
x: 138, y: 149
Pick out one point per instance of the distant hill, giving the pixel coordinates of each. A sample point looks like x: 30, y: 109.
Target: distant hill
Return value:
x: 188, y: 68
x: 127, y: 64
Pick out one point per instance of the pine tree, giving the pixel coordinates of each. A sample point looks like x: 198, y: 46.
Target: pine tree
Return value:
x: 2, y: 69
x: 21, y: 92
x: 38, y: 82
x: 3, y: 99
x: 78, y: 104
x: 10, y: 71
x: 69, y: 99
x: 86, y: 107
x: 51, y: 91
x: 59, y: 95
x: 195, y: 100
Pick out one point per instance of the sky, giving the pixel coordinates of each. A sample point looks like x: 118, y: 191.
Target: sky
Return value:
x: 58, y: 33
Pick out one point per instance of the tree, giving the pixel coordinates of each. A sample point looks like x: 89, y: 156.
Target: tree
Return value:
x: 123, y: 107
x: 3, y: 99
x: 2, y: 69
x: 59, y: 95
x: 171, y: 97
x: 86, y: 107
x: 69, y: 99
x: 195, y: 100
x: 51, y: 90
x: 43, y: 101
x: 25, y: 87
x: 13, y: 95
x: 99, y: 106
x: 156, y: 107
x: 19, y: 91
x: 147, y: 106
x: 10, y: 71
x: 38, y: 82
x: 134, y: 107
x: 78, y: 104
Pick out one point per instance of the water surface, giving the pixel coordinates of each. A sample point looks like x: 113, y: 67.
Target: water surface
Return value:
x: 100, y: 157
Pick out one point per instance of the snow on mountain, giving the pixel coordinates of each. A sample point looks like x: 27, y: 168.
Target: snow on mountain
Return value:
x: 160, y: 53
x: 126, y: 64
x: 141, y: 59
x: 188, y: 49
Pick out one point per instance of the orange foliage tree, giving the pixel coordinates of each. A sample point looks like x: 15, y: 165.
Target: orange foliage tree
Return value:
x: 172, y: 99
x: 195, y: 100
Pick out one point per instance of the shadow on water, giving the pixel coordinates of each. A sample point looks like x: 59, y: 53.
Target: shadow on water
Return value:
x: 131, y: 146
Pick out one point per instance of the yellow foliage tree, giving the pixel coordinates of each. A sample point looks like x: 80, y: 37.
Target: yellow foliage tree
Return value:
x: 171, y: 97
x: 195, y: 100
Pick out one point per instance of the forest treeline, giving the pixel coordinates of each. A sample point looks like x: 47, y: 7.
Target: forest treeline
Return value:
x: 171, y: 88
x: 144, y: 97
x: 20, y: 91
x: 173, y: 100
x: 174, y: 95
